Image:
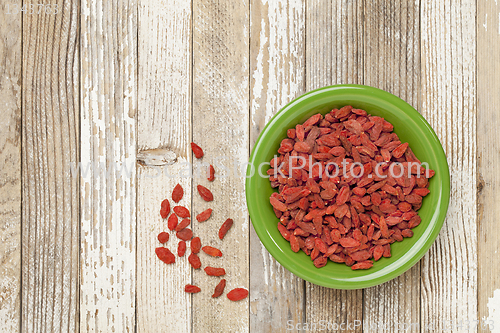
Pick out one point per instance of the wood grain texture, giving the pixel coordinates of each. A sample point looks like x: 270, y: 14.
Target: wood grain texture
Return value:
x: 108, y: 189
x: 50, y: 132
x: 220, y: 127
x: 448, y: 51
x: 10, y: 168
x: 392, y: 55
x: 488, y: 122
x: 334, y: 55
x: 277, y: 38
x: 163, y: 120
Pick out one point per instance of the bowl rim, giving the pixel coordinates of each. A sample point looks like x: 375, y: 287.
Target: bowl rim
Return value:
x: 424, y: 244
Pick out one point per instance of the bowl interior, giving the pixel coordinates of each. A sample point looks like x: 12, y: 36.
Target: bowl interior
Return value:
x: 410, y: 127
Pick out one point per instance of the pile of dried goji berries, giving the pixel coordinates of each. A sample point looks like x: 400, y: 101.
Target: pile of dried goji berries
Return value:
x: 348, y: 188
x: 186, y: 234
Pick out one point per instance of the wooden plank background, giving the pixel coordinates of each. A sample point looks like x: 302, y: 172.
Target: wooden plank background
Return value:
x: 99, y: 85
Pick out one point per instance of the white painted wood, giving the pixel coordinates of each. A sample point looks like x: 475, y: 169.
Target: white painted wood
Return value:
x: 108, y: 139
x: 163, y: 135
x: 277, y: 38
x: 334, y: 55
x: 392, y: 63
x: 488, y: 122
x: 220, y: 126
x: 50, y: 195
x: 448, y: 52
x: 10, y: 169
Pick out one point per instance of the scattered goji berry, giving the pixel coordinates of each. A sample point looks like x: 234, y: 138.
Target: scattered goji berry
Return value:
x: 211, y: 173
x: 213, y: 271
x: 219, y: 289
x: 165, y: 255
x: 195, y: 245
x: 198, y: 152
x: 237, y: 294
x: 189, y: 288
x: 163, y: 237
x: 225, y: 228
x: 194, y: 260
x: 181, y: 211
x: 181, y: 248
x: 205, y: 193
x: 212, y: 251
x: 205, y: 215
x: 177, y: 193
x: 185, y: 234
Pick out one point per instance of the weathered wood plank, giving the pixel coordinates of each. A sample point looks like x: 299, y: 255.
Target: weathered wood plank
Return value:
x: 164, y: 120
x: 448, y: 53
x: 220, y: 127
x: 277, y: 38
x: 392, y: 55
x: 10, y: 167
x: 334, y: 55
x: 488, y: 122
x: 50, y: 192
x: 108, y: 139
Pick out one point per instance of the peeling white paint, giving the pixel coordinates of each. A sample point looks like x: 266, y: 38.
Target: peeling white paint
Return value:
x: 494, y: 311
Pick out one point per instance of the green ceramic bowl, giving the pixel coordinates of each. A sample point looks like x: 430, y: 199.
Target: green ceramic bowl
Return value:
x: 409, y: 125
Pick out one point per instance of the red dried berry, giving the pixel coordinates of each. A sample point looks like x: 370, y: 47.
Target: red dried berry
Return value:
x: 205, y: 215
x: 184, y: 223
x: 181, y: 211
x: 165, y: 255
x: 172, y: 221
x: 195, y: 245
x: 362, y: 265
x: 225, y: 228
x: 205, y: 193
x: 189, y: 288
x: 198, y: 152
x: 212, y: 251
x: 163, y: 237
x: 185, y: 234
x: 194, y: 260
x: 211, y: 173
x: 165, y: 208
x: 237, y: 294
x: 181, y: 248
x: 213, y: 271
x: 177, y: 193
x: 219, y: 289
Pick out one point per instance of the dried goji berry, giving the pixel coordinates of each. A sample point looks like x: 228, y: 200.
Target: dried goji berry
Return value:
x: 213, y: 271
x: 165, y: 255
x: 205, y: 215
x: 185, y: 234
x: 205, y: 193
x: 181, y: 248
x: 172, y: 221
x: 165, y: 208
x: 181, y: 211
x: 237, y: 294
x: 198, y: 152
x: 177, y: 193
x: 195, y: 245
x: 212, y: 251
x: 211, y: 173
x: 219, y: 289
x: 194, y: 260
x: 184, y: 223
x: 189, y: 288
x: 163, y: 237
x: 362, y: 265
x: 225, y: 228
